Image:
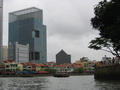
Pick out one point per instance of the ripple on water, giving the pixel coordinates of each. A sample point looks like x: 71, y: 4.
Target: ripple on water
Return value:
x: 52, y: 83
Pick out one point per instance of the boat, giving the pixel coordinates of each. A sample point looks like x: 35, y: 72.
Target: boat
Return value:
x: 61, y: 74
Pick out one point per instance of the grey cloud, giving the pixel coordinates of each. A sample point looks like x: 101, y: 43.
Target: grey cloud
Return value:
x: 70, y: 19
x: 68, y: 25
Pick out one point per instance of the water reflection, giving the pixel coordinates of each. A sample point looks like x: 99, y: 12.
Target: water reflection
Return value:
x: 107, y: 85
x: 51, y: 83
x: 23, y: 83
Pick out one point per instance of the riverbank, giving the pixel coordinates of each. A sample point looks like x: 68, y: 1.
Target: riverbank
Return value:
x: 108, y: 72
x: 39, y: 75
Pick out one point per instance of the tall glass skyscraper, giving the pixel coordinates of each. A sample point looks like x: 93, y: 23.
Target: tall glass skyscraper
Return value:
x: 1, y: 27
x: 26, y: 27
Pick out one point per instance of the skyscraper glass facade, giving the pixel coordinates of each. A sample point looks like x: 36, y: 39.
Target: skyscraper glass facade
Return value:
x: 1, y: 27
x: 26, y: 27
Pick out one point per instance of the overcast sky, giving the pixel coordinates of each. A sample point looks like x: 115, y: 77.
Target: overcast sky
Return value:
x: 68, y: 25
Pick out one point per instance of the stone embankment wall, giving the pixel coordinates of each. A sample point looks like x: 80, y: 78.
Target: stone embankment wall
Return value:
x: 109, y: 72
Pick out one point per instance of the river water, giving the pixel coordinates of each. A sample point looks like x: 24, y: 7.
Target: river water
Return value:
x: 52, y: 83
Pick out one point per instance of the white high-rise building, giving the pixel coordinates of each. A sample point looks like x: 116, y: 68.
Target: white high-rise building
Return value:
x: 19, y: 52
x: 5, y: 53
x: 1, y: 27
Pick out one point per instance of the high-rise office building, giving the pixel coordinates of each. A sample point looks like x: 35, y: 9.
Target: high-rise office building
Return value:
x: 1, y: 27
x: 63, y: 58
x: 5, y: 53
x: 26, y: 27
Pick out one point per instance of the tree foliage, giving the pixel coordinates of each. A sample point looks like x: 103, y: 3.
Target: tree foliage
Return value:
x: 107, y: 22
x: 79, y: 70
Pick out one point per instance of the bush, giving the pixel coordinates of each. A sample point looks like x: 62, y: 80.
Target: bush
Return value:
x: 79, y: 70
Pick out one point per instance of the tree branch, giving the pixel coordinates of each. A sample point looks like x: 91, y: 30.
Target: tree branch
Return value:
x: 108, y: 51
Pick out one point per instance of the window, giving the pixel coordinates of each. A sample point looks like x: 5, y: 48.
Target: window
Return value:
x: 7, y: 66
x: 31, y: 56
x: 37, y: 55
x: 37, y: 34
x: 34, y: 56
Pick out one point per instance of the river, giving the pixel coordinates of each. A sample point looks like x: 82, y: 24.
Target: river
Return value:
x: 52, y: 83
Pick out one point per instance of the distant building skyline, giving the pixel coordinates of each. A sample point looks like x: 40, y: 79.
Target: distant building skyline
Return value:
x: 72, y: 29
x: 26, y: 27
x: 63, y: 58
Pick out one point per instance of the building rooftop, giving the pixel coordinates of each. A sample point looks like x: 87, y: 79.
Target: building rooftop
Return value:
x: 26, y: 11
x: 62, y: 51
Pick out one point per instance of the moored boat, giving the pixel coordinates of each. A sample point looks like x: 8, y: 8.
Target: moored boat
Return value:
x: 61, y: 75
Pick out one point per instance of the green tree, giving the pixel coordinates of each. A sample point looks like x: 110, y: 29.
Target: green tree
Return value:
x: 79, y: 70
x: 107, y: 22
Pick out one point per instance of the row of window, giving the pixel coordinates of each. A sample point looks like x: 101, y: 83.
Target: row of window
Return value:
x: 11, y: 65
x: 37, y: 33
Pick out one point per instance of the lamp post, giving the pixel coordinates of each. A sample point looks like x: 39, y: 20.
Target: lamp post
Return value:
x: 1, y: 28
